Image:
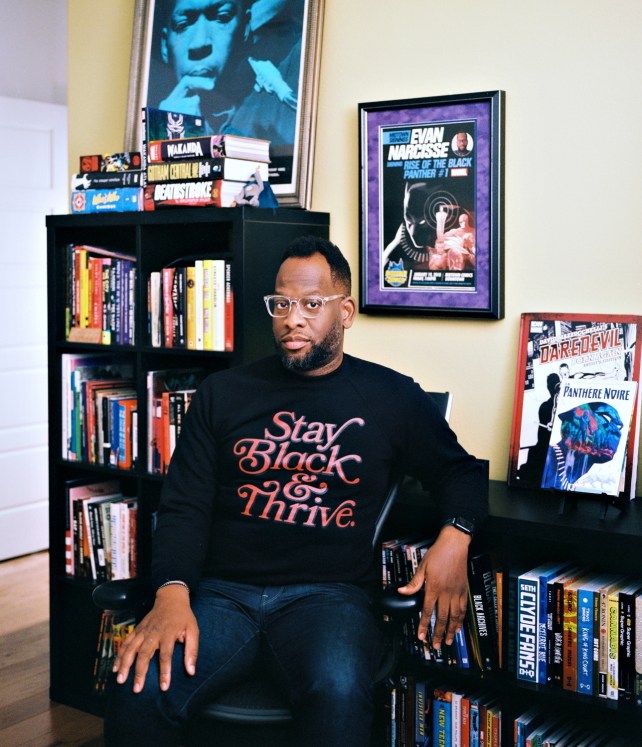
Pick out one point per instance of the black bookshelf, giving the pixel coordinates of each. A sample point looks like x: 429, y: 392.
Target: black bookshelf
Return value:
x: 525, y: 528
x: 252, y: 240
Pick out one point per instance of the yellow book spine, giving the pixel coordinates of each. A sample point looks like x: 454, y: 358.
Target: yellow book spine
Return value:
x: 190, y: 292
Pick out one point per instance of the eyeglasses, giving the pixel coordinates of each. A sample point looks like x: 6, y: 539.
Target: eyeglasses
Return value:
x: 309, y: 306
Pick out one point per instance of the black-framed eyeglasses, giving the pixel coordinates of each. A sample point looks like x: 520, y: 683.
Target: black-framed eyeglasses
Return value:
x: 309, y: 306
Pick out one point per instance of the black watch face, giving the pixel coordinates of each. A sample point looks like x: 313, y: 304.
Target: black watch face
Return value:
x: 462, y: 524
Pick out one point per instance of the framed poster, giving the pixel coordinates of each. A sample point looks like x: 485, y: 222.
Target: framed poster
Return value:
x: 431, y: 200
x: 248, y: 67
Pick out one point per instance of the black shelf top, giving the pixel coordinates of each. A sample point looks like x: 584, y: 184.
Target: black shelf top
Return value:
x: 190, y: 215
x: 528, y: 512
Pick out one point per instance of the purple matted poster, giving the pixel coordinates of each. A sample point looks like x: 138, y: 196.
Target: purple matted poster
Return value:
x: 431, y: 206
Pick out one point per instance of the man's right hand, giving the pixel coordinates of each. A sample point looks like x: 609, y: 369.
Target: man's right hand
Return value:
x: 186, y: 95
x: 170, y: 620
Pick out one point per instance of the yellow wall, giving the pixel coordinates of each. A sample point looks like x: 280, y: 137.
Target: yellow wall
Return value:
x: 572, y: 75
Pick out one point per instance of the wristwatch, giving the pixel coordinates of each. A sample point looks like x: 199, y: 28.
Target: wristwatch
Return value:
x: 459, y: 522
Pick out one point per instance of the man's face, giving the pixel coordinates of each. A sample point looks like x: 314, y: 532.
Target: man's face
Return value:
x: 462, y: 141
x: 200, y: 35
x: 311, y: 346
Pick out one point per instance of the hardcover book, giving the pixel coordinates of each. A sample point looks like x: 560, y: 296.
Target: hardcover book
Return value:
x: 571, y: 353
x: 212, y: 146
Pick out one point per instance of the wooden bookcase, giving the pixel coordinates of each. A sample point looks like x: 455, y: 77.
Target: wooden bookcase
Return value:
x: 252, y: 240
x: 524, y: 529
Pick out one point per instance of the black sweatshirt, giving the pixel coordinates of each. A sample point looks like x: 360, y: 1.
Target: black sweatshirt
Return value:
x: 279, y: 478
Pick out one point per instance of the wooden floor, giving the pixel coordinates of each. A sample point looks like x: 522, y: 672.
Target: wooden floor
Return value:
x: 27, y: 717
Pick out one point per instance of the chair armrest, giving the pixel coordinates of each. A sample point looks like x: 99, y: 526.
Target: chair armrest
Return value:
x: 399, y: 606
x: 123, y: 594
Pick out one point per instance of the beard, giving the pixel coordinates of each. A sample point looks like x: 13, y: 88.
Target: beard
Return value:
x: 318, y: 355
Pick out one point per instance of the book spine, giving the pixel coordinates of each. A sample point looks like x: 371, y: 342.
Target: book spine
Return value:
x: 234, y: 169
x: 162, y: 124
x: 465, y: 721
x: 558, y: 634
x: 208, y: 304
x: 120, y: 199
x: 106, y: 309
x: 603, y: 646
x: 441, y: 721
x: 585, y: 606
x: 179, y: 303
x: 626, y: 642
x: 218, y: 305
x: 208, y: 146
x: 106, y: 180
x: 421, y: 708
x: 613, y: 619
x: 569, y: 667
x: 527, y: 616
x: 206, y: 193
x: 111, y: 162
x: 480, y: 578
x: 168, y: 306
x: 198, y: 299
x: 229, y: 309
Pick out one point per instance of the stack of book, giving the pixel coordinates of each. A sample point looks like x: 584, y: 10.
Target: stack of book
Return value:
x: 577, y: 629
x: 108, y: 183
x: 100, y: 292
x: 187, y: 166
x: 181, y: 163
x: 191, y: 305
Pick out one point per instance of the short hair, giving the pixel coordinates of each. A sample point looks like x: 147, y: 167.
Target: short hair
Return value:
x: 165, y: 8
x: 307, y: 246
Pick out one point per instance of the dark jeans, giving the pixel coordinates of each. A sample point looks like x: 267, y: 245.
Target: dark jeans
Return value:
x: 324, y: 639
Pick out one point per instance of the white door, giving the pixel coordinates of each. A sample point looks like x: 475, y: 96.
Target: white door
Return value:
x: 33, y: 183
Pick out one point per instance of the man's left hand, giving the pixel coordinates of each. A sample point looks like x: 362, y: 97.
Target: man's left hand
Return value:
x: 443, y: 572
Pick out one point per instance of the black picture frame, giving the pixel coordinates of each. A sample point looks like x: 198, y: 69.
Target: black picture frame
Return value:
x: 291, y: 41
x: 432, y: 206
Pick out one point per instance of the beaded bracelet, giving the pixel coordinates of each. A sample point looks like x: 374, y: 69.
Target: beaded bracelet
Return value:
x: 170, y: 583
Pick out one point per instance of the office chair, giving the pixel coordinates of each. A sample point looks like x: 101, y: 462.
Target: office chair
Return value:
x: 255, y: 711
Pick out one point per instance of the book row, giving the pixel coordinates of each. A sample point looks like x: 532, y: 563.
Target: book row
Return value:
x: 540, y: 728
x: 478, y: 644
x: 169, y: 394
x: 422, y: 715
x: 191, y: 306
x: 100, y: 533
x: 100, y: 290
x: 100, y: 411
x: 114, y: 628
x: 579, y: 630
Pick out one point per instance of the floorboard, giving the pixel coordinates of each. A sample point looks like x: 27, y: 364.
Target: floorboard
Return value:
x: 27, y: 717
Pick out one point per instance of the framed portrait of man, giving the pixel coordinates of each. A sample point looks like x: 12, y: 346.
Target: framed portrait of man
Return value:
x: 247, y: 67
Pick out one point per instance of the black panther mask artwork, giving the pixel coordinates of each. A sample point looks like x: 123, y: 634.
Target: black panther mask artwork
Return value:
x: 591, y: 434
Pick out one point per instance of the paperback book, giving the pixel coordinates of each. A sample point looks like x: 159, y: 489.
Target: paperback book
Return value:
x: 589, y: 434
x: 576, y: 357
